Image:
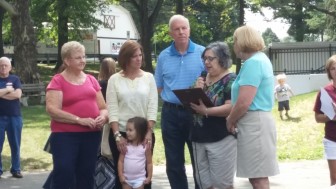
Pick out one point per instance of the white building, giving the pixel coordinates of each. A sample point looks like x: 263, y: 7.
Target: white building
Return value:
x: 118, y: 26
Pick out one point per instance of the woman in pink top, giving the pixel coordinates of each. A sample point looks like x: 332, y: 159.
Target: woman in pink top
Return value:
x: 77, y: 109
x: 132, y: 165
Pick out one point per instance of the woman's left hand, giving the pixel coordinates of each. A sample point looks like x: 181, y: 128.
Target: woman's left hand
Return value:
x: 100, y: 121
x: 200, y: 109
x: 148, y: 140
x: 231, y: 126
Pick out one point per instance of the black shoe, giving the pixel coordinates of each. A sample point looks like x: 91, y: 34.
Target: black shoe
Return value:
x: 17, y: 175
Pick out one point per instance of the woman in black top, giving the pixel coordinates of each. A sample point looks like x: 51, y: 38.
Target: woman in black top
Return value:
x: 214, y: 147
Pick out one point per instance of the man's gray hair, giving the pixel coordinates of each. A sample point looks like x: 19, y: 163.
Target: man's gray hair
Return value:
x: 5, y: 59
x: 177, y: 17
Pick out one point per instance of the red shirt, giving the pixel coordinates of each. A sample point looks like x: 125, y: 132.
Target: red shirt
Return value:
x: 79, y: 100
x: 330, y: 126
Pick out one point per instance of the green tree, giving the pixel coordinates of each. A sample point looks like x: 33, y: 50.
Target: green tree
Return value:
x: 68, y: 20
x: 297, y: 13
x: 146, y: 12
x: 269, y: 36
x: 317, y: 22
x: 331, y: 19
x: 23, y: 39
x: 219, y: 17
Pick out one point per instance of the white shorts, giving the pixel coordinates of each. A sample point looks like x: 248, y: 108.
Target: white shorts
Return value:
x: 136, y: 183
x: 329, y: 149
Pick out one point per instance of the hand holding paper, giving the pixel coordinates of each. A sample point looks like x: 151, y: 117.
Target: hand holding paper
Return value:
x: 328, y: 106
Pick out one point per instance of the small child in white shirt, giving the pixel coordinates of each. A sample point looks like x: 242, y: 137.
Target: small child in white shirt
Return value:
x: 282, y: 93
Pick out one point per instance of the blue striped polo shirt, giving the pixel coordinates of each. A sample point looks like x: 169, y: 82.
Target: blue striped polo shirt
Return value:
x: 178, y: 71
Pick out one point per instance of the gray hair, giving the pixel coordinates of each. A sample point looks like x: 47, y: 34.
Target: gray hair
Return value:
x: 5, y: 60
x: 222, y: 51
x: 178, y: 17
x: 71, y: 47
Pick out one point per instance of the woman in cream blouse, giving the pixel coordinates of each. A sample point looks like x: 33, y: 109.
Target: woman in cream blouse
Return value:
x: 130, y: 92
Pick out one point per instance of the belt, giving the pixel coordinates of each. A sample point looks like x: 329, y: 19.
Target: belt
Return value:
x: 172, y: 105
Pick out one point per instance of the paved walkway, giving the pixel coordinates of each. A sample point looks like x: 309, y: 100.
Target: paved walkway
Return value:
x: 294, y: 175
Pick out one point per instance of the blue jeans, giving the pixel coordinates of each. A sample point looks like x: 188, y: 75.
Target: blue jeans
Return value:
x: 175, y: 127
x: 12, y: 125
x: 74, y: 159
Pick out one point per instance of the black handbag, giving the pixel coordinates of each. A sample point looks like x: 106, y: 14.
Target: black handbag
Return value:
x: 105, y: 173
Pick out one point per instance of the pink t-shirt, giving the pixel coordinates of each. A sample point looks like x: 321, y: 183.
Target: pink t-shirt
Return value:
x: 79, y: 100
x: 135, y: 162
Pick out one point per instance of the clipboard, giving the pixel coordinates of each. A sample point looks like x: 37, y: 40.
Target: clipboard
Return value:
x: 186, y: 96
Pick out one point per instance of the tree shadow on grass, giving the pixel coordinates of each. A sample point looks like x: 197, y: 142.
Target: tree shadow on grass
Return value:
x: 292, y: 119
x: 28, y: 164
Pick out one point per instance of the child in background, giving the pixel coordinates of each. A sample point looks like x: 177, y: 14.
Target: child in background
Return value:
x: 132, y: 165
x: 281, y: 92
x: 107, y: 68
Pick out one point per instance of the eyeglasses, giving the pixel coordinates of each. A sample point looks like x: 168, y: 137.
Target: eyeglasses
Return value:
x: 210, y: 58
x: 79, y: 57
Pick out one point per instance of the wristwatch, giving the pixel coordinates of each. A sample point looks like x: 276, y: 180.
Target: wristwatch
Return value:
x: 117, y: 136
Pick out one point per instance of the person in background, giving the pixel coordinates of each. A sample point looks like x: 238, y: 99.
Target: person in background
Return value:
x: 77, y: 109
x: 282, y: 93
x: 329, y: 140
x: 251, y: 115
x: 107, y: 68
x: 179, y: 65
x: 130, y: 92
x: 10, y: 115
x: 132, y: 165
x: 214, y: 148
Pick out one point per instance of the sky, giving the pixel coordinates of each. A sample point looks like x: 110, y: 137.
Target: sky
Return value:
x: 278, y: 26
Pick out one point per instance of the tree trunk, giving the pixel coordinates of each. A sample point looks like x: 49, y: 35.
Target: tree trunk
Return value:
x: 298, y: 22
x: 179, y: 7
x: 24, y: 40
x: 145, y: 33
x: 241, y: 22
x: 2, y: 13
x: 62, y: 29
x: 147, y: 28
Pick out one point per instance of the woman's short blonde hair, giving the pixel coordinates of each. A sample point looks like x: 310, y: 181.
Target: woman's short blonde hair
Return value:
x: 248, y: 39
x: 126, y: 52
x: 70, y: 47
x: 329, y: 63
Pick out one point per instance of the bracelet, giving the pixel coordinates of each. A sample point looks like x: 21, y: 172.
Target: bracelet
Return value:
x: 206, y: 112
x: 117, y: 136
x: 77, y: 118
x: 116, y: 133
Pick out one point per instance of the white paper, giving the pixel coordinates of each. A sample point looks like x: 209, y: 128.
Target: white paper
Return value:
x: 327, y: 104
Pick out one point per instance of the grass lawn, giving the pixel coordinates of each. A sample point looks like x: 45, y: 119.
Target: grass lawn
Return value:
x: 298, y: 138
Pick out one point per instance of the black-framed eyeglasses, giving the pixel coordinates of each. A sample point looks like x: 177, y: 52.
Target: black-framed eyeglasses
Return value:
x: 209, y: 58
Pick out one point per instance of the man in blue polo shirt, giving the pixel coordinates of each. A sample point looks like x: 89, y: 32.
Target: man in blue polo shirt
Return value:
x: 178, y: 67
